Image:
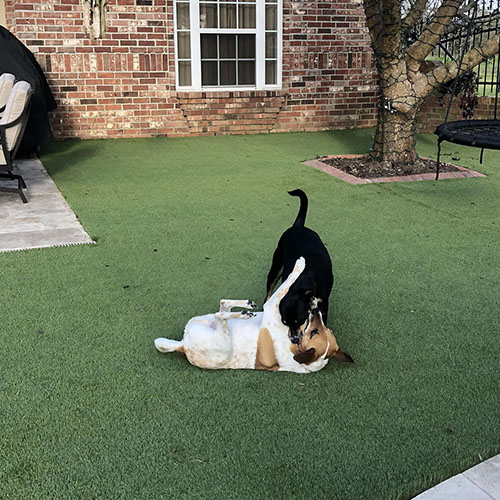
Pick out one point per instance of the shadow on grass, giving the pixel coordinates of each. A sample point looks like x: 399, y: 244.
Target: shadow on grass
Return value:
x: 57, y: 159
x: 356, y: 141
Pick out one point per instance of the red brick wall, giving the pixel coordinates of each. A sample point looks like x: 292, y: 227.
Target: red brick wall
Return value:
x: 328, y: 71
x: 124, y: 84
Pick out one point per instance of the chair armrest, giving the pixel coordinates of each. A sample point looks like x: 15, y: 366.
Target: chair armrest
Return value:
x: 5, y: 126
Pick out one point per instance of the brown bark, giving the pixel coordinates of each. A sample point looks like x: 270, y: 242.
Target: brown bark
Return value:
x: 395, y: 137
x: 396, y: 121
x: 431, y: 35
x: 414, y: 15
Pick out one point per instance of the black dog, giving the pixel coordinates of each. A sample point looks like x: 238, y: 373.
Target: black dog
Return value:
x: 312, y: 288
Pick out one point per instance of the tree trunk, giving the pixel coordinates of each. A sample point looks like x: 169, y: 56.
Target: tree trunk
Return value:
x: 395, y: 136
x: 397, y: 113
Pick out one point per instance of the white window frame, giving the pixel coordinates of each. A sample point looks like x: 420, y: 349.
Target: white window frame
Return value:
x: 260, y: 46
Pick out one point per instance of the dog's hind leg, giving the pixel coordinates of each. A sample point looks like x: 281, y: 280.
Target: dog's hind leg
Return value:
x: 271, y: 285
x: 275, y: 272
x: 226, y: 305
x: 273, y: 302
x: 225, y: 315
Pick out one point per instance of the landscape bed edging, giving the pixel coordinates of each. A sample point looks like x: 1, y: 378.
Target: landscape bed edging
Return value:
x: 351, y: 179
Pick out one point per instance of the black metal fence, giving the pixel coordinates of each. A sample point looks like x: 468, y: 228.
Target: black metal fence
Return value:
x: 478, y: 21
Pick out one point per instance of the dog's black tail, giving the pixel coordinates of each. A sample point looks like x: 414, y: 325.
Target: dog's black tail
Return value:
x: 301, y: 216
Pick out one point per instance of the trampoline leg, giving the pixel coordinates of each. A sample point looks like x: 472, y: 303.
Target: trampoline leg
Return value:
x: 438, y: 160
x: 481, y: 156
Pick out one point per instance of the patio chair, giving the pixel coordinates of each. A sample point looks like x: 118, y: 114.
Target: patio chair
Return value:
x: 6, y: 83
x: 12, y: 125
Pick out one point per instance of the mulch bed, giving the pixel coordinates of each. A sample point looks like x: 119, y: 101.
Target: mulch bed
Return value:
x: 365, y: 167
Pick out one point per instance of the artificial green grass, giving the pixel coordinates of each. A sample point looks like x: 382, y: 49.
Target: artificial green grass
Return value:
x: 89, y: 409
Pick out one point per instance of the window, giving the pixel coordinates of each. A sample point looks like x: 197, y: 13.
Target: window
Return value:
x: 227, y: 60
x: 234, y: 44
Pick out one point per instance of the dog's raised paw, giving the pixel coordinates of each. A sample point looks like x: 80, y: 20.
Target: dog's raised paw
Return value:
x: 247, y: 315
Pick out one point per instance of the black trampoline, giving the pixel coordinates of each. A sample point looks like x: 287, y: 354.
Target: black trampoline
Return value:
x: 474, y: 133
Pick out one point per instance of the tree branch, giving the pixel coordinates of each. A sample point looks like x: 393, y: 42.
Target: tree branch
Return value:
x: 383, y: 18
x: 419, y: 50
x: 425, y: 84
x: 414, y: 15
x: 391, y: 20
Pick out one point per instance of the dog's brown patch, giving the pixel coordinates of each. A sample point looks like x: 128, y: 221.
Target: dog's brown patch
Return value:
x: 306, y: 357
x: 321, y: 340
x: 318, y: 340
x: 266, y: 357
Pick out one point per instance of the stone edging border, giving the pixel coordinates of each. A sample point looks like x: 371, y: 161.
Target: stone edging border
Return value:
x: 351, y: 179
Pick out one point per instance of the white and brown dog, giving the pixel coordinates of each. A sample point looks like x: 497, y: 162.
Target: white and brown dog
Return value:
x: 257, y: 341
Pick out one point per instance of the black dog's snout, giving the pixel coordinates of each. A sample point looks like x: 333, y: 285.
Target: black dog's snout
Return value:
x: 294, y: 339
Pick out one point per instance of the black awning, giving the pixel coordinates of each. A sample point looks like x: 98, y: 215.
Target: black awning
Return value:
x: 17, y: 59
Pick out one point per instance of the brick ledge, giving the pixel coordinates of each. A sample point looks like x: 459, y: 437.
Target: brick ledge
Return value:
x: 351, y: 179
x: 229, y: 94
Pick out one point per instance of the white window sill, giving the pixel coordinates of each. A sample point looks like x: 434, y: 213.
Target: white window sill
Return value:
x: 229, y: 89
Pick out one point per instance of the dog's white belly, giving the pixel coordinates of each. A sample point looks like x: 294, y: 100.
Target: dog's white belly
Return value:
x: 245, y: 334
x: 206, y: 347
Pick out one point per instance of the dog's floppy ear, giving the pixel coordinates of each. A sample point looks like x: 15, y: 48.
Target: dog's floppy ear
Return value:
x: 305, y: 356
x: 342, y: 356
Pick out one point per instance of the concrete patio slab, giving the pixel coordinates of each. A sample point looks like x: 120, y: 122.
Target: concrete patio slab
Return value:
x: 481, y: 482
x: 456, y: 488
x: 487, y: 476
x: 45, y: 221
